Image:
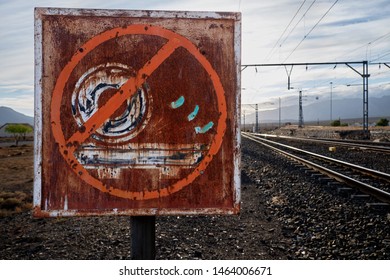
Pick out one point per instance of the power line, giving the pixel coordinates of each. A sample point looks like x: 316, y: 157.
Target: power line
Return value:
x: 380, y: 38
x: 288, y: 25
x: 382, y: 56
x: 307, y: 10
x: 365, y: 45
x: 303, y: 39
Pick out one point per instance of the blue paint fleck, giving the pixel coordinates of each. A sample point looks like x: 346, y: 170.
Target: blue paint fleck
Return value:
x: 193, y: 114
x: 204, y: 129
x: 176, y: 104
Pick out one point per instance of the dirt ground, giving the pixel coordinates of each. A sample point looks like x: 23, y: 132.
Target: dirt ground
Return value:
x: 177, y: 237
x: 16, y: 180
x: 276, y: 221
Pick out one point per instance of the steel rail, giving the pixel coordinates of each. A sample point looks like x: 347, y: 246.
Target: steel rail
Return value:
x: 381, y: 149
x: 364, y: 170
x: 363, y: 187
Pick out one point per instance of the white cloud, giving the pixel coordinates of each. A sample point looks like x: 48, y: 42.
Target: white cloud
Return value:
x: 16, y: 87
x: 343, y: 34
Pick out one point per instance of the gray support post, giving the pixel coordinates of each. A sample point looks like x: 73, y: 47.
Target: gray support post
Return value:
x: 257, y: 117
x: 300, y: 124
x: 365, y: 98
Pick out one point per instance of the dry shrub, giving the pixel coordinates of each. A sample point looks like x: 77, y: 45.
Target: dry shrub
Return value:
x: 10, y: 203
x: 14, y: 202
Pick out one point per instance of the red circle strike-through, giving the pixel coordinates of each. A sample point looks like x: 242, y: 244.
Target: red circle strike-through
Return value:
x: 68, y: 146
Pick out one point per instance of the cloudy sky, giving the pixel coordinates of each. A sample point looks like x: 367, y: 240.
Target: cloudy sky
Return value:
x: 278, y: 31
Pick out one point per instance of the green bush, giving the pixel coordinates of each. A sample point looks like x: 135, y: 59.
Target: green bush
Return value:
x: 382, y: 122
x: 338, y: 123
x: 19, y: 131
x: 335, y: 123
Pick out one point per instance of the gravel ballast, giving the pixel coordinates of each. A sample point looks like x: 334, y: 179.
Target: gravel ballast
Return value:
x: 285, y: 214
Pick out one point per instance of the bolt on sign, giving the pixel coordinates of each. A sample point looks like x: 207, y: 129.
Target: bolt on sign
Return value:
x: 137, y: 112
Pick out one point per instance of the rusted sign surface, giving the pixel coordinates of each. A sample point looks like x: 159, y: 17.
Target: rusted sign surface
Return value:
x: 137, y: 112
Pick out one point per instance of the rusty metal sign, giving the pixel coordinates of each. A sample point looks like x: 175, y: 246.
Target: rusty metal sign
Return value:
x: 137, y: 112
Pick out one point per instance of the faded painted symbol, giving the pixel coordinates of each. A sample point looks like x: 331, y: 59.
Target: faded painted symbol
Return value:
x: 178, y: 103
x: 97, y: 85
x: 193, y: 114
x: 205, y: 128
x: 199, y: 130
x: 112, y: 106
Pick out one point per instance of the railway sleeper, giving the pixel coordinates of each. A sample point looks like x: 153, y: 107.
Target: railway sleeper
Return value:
x: 360, y: 196
x: 326, y: 180
x: 378, y: 205
x: 318, y: 176
x: 333, y: 183
x: 345, y: 190
x: 309, y: 171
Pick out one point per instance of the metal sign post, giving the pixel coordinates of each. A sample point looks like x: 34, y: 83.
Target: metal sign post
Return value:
x: 143, y: 231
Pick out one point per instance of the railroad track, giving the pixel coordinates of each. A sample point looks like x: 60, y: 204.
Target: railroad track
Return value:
x: 368, y: 181
x: 378, y: 147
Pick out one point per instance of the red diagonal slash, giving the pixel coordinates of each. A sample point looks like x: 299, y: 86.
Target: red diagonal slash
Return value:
x: 67, y: 147
x: 127, y: 90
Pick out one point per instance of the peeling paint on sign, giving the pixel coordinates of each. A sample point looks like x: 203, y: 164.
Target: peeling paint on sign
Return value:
x: 194, y: 113
x: 179, y: 102
x: 205, y: 128
x: 122, y: 128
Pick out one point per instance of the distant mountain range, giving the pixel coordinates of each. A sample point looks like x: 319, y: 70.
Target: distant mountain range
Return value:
x: 8, y: 115
x: 351, y: 108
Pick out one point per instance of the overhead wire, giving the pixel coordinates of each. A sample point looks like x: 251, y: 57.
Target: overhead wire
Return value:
x: 380, y: 57
x: 366, y: 44
x: 304, y: 37
x: 375, y: 41
x: 284, y: 31
x: 303, y: 16
x: 323, y: 16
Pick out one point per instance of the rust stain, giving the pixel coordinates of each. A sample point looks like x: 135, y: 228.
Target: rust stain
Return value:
x: 140, y: 120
